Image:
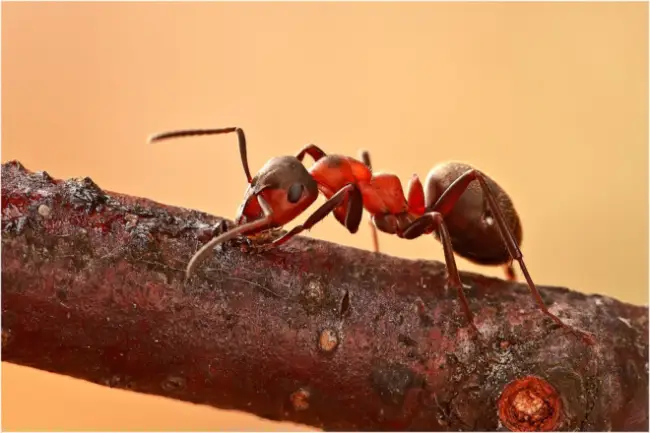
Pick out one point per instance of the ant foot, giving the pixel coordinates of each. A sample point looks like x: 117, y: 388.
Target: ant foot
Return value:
x: 249, y: 245
x: 586, y: 338
x: 262, y: 247
x: 477, y: 337
x: 246, y: 246
x: 474, y: 331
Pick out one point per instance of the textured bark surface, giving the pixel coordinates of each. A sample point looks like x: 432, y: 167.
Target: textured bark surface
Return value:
x: 315, y: 333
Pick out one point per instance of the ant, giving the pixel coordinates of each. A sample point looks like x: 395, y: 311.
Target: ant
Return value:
x: 469, y: 212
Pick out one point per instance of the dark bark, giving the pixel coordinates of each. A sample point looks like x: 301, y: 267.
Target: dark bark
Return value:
x: 315, y: 333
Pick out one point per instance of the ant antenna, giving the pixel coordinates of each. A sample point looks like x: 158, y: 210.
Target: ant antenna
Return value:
x: 193, y: 132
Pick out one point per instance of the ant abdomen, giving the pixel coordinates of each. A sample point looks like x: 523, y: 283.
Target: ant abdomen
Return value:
x: 472, y: 227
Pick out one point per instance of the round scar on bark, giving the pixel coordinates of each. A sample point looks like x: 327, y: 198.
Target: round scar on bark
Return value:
x: 44, y: 211
x: 529, y: 404
x: 300, y: 399
x: 328, y: 340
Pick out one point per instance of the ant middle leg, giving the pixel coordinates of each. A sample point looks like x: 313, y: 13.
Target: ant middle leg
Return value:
x: 365, y: 157
x: 509, y: 270
x: 448, y: 200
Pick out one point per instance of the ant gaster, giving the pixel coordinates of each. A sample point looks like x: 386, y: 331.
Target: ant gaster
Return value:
x: 468, y: 211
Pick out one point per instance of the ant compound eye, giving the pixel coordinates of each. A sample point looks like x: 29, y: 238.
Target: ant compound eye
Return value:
x: 294, y: 193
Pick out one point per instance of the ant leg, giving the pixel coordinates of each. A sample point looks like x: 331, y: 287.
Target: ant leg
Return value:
x: 312, y: 150
x: 365, y: 157
x: 434, y: 221
x: 446, y: 203
x: 510, y: 272
x: 353, y: 213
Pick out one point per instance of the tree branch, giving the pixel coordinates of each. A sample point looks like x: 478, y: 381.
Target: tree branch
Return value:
x: 313, y: 332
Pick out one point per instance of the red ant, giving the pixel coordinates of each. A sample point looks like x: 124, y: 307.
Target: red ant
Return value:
x: 470, y: 213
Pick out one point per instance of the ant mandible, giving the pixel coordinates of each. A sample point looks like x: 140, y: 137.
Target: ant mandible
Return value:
x: 462, y: 205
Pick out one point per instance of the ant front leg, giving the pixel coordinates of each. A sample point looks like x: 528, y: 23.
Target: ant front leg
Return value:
x: 448, y: 200
x: 434, y: 221
x: 353, y: 213
x: 365, y: 157
x: 312, y: 150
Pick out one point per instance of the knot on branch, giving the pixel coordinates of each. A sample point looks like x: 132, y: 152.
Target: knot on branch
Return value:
x: 530, y: 404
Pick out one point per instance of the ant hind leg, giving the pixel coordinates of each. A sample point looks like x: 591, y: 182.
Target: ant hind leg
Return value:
x: 448, y: 200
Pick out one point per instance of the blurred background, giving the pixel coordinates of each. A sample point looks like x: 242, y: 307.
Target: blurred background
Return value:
x: 551, y: 99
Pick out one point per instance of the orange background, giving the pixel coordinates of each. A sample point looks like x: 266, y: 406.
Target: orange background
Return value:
x: 550, y: 99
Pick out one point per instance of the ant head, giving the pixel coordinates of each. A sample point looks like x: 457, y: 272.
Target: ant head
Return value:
x: 282, y: 189
x: 285, y: 187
